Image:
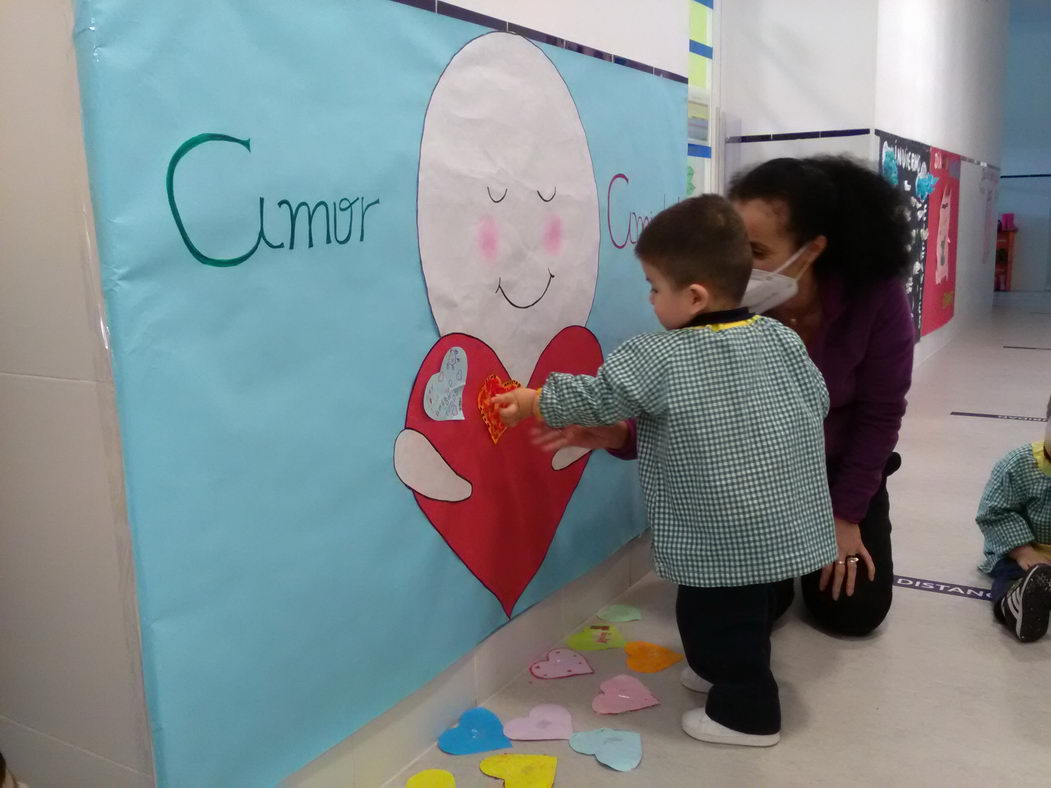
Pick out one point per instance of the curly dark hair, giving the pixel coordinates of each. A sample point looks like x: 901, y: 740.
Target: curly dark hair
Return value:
x: 864, y: 218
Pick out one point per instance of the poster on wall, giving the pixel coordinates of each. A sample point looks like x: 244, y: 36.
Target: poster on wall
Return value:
x: 939, y: 284
x: 326, y: 239
x: 906, y: 164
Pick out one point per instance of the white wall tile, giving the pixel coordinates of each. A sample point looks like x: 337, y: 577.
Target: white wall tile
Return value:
x: 390, y: 742
x: 585, y: 596
x: 509, y: 650
x: 69, y: 663
x: 393, y: 740
x: 641, y: 560
x: 41, y: 761
x: 49, y: 322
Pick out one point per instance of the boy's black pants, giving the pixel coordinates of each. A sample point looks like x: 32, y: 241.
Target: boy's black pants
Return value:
x: 726, y: 638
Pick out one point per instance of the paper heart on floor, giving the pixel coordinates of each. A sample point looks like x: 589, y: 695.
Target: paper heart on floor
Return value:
x: 492, y: 386
x: 522, y: 771
x: 596, y: 638
x: 479, y: 730
x: 432, y: 778
x: 623, y: 693
x: 620, y: 613
x: 620, y: 750
x: 546, y: 722
x: 560, y: 663
x: 443, y: 395
x: 649, y: 657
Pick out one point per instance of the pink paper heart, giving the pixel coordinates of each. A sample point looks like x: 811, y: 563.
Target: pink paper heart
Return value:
x: 545, y: 722
x: 623, y: 693
x: 560, y: 663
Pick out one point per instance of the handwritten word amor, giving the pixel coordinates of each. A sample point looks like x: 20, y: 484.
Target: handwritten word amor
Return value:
x: 337, y: 225
x: 636, y: 223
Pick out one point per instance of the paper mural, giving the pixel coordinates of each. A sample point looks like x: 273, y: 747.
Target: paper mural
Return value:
x: 906, y: 164
x: 323, y: 228
x: 509, y: 237
x: 939, y: 288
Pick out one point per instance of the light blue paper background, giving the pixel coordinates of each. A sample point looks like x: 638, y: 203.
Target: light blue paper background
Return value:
x: 290, y: 589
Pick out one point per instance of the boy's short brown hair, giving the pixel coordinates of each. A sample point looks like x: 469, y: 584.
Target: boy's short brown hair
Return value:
x: 700, y: 240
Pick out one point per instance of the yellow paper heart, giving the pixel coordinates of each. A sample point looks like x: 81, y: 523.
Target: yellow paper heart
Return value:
x: 522, y: 771
x: 649, y: 657
x: 432, y: 778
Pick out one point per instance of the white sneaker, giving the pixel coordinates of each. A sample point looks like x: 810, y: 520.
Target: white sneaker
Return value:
x: 700, y: 726
x: 693, y: 682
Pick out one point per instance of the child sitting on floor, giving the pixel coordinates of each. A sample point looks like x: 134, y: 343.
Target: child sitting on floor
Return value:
x: 731, y: 455
x: 1015, y: 516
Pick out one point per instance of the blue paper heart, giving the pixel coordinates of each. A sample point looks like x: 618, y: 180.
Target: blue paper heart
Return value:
x: 443, y: 395
x: 620, y: 750
x: 479, y: 730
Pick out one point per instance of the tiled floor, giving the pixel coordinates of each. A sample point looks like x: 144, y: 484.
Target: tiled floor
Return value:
x: 938, y: 697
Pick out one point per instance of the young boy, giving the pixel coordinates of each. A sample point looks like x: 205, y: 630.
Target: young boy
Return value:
x: 731, y: 455
x: 1015, y: 516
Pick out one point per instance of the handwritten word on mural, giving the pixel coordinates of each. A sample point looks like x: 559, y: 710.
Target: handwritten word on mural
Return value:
x: 626, y: 231
x: 337, y: 224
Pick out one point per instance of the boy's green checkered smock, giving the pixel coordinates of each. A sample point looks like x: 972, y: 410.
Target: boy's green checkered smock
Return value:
x: 1016, y: 506
x: 731, y: 447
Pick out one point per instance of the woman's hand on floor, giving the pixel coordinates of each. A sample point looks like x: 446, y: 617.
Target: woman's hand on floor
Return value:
x: 1027, y: 557
x: 843, y: 573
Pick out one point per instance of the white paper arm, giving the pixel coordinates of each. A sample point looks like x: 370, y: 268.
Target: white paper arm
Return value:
x: 566, y: 456
x: 422, y: 469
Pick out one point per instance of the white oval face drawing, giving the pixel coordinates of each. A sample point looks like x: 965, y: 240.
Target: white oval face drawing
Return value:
x: 507, y: 208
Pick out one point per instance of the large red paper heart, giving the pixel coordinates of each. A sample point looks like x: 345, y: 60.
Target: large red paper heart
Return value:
x: 503, y: 530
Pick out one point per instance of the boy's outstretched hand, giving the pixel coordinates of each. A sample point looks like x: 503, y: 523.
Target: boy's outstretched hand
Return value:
x: 517, y: 406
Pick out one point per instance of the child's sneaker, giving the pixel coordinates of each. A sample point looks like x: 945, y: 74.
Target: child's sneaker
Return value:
x: 700, y: 726
x: 1027, y: 606
x: 693, y: 682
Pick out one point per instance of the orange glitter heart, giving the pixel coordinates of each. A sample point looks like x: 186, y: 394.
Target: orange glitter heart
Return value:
x: 649, y: 657
x: 492, y: 386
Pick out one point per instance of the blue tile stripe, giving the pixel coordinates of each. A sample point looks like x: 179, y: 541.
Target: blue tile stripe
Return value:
x: 701, y: 49
x: 701, y: 151
x: 708, y: 3
x: 456, y: 12
x: 996, y: 416
x: 424, y: 5
x: 799, y: 135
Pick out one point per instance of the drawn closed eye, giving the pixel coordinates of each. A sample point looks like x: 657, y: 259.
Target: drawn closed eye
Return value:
x: 494, y: 199
x: 554, y: 191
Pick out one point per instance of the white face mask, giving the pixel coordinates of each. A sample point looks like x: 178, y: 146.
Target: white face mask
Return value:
x: 768, y: 289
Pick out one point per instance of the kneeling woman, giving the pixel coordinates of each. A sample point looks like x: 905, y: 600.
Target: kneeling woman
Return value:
x: 830, y: 244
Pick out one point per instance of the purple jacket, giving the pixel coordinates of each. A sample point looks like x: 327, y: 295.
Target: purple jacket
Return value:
x: 864, y: 351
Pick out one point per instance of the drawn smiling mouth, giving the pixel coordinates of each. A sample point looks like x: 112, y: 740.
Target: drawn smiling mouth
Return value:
x: 501, y: 291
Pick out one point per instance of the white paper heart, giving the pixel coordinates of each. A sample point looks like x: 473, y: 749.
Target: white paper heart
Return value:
x: 443, y: 396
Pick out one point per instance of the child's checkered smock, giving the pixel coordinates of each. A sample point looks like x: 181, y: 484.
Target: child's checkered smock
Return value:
x: 731, y: 447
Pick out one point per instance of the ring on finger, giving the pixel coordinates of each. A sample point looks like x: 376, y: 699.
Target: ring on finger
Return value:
x: 841, y: 563
x: 853, y: 559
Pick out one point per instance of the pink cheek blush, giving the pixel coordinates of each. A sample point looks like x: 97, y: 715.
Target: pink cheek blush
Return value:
x: 488, y: 238
x: 553, y: 235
